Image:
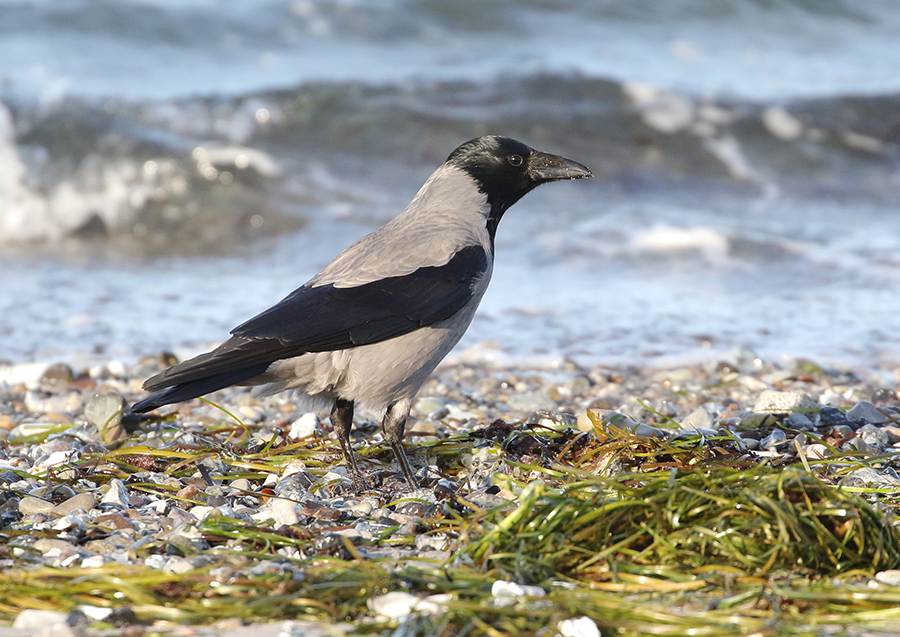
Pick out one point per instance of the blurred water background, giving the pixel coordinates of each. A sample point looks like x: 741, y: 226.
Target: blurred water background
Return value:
x: 169, y: 168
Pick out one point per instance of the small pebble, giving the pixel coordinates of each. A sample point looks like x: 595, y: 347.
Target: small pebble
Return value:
x: 816, y: 451
x: 305, y: 426
x: 398, y: 605
x: 873, y: 436
x: 866, y: 412
x: 699, y: 418
x: 832, y: 416
x: 784, y: 402
x: 773, y: 439
x: 797, y: 420
x: 36, y: 619
x: 117, y: 494
x: 508, y: 593
x: 82, y: 501
x: 891, y: 577
x: 29, y: 506
x: 578, y: 627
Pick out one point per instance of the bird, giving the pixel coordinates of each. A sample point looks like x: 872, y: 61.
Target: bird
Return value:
x: 370, y: 328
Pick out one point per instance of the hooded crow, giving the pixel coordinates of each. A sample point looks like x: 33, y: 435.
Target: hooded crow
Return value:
x: 370, y: 328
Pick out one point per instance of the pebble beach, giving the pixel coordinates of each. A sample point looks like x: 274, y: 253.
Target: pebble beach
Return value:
x: 89, y: 487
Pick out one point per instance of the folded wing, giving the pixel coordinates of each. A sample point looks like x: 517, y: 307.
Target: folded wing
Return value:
x: 325, y: 318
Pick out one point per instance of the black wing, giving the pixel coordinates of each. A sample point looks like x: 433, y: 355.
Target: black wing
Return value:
x: 325, y: 318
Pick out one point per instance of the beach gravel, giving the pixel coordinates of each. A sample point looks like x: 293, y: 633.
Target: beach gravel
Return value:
x: 177, y: 492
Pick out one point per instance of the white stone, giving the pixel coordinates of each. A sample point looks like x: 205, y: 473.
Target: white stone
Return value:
x: 783, y: 402
x: 117, y: 494
x: 60, y: 404
x: 284, y: 512
x: 891, y: 577
x: 177, y: 566
x: 305, y: 426
x: 31, y: 618
x: 508, y: 593
x: 97, y: 613
x: 55, y: 459
x: 578, y: 627
x: 201, y: 512
x: 94, y: 561
x: 398, y: 605
x: 816, y: 451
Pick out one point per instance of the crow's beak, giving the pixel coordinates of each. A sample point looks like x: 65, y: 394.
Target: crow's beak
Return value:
x: 543, y: 167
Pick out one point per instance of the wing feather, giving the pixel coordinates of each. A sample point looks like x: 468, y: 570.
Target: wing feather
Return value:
x: 325, y: 318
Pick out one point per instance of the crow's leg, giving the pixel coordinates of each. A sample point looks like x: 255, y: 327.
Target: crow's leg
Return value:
x: 394, y: 425
x: 342, y: 421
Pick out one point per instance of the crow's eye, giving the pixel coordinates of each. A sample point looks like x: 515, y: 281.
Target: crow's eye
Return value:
x: 515, y: 160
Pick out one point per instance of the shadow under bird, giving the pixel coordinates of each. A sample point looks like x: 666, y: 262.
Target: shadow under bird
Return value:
x: 370, y: 328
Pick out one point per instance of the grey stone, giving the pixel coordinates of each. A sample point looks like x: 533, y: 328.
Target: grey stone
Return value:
x: 83, y: 501
x: 189, y: 539
x: 104, y: 411
x: 30, y: 505
x: 646, y: 431
x: 868, y: 477
x: 633, y: 409
x: 294, y: 487
x: 832, y: 416
x: 552, y: 420
x: 784, y: 402
x: 873, y: 436
x: 751, y: 443
x: 773, y: 439
x: 858, y: 444
x: 111, y: 544
x: 866, y: 411
x: 615, y: 418
x: 46, y: 545
x: 699, y: 418
x: 241, y: 484
x: 57, y: 375
x: 755, y: 420
x: 797, y: 420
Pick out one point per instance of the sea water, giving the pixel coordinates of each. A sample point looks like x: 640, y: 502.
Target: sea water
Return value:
x: 168, y: 169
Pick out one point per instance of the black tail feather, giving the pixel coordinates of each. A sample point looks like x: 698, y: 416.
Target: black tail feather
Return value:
x: 193, y: 389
